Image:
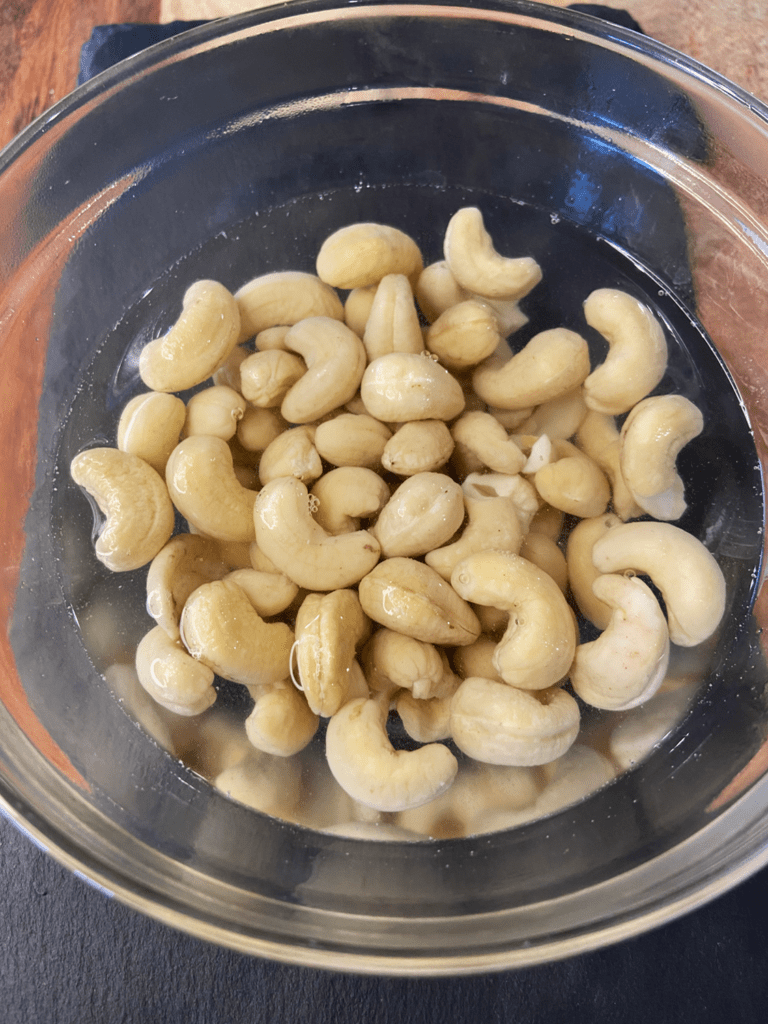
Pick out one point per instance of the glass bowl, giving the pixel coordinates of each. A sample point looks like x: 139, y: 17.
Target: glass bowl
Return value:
x: 236, y: 149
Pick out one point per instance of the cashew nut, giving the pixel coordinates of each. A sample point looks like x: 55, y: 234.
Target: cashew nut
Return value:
x: 493, y: 524
x: 263, y: 783
x: 544, y: 552
x: 626, y: 664
x: 203, y: 487
x: 267, y: 377
x: 292, y: 453
x: 570, y: 480
x: 352, y: 439
x: 690, y: 580
x: 405, y: 386
x: 198, y: 343
x: 576, y: 775
x: 299, y: 547
x: 419, y: 447
x: 221, y: 629
x: 328, y: 629
x: 134, y: 499
x: 366, y: 766
x: 394, y: 661
x: 477, y: 659
x: 581, y: 569
x: 269, y: 592
x: 184, y: 563
x: 653, y: 434
x: 228, y: 373
x: 549, y: 521
x: 500, y: 485
x: 409, y: 597
x: 599, y: 438
x: 500, y: 724
x: 171, y: 677
x: 635, y: 736
x: 150, y: 426
x: 424, y: 512
x: 560, y: 417
x: 346, y: 495
x: 393, y: 323
x: 357, y: 308
x: 553, y: 363
x: 272, y: 338
x: 437, y: 290
x: 282, y: 299
x: 538, y: 645
x: 360, y: 255
x: 483, y: 436
x: 478, y: 267
x: 426, y: 721
x: 281, y: 722
x: 216, y: 411
x: 637, y: 355
x: 258, y: 428
x: 464, y: 335
x: 335, y: 359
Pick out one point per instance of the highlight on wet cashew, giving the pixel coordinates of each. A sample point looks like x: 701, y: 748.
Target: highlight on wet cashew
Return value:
x: 150, y: 426
x: 424, y: 512
x: 627, y: 663
x: 283, y: 298
x: 270, y: 593
x: 221, y: 629
x: 423, y: 446
x: 198, y: 343
x: 637, y: 355
x: 484, y: 437
x: 493, y: 522
x: 393, y: 322
x: 203, y: 487
x: 599, y: 438
x: 409, y: 597
x: 301, y: 548
x: 464, y: 335
x: 538, y: 645
x: 329, y: 628
x: 687, y: 574
x: 335, y: 360
x: 216, y: 411
x: 404, y: 386
x: 267, y: 377
x: 281, y: 722
x: 370, y: 770
x: 133, y: 498
x: 360, y: 255
x: 180, y: 567
x: 171, y: 677
x: 582, y: 572
x: 352, y: 439
x: 477, y: 266
x: 346, y: 495
x: 653, y: 435
x: 550, y: 365
x: 292, y: 453
x: 501, y: 724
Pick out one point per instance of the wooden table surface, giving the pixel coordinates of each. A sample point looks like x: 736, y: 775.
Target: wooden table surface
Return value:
x: 40, y: 41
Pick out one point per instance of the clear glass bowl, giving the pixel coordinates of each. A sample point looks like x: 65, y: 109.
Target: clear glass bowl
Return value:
x: 236, y: 149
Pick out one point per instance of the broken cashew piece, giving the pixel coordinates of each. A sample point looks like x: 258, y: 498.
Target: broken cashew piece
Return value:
x: 627, y: 663
x: 478, y: 267
x: 653, y: 434
x: 134, y: 499
x: 370, y: 770
x: 335, y: 360
x: 150, y: 426
x: 686, y: 573
x: 171, y: 677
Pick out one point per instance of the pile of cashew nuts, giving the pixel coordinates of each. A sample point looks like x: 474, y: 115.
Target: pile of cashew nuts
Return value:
x: 390, y: 512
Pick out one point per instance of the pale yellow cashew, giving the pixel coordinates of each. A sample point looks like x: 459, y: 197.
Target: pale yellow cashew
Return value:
x: 228, y: 373
x: 482, y: 435
x: 626, y: 664
x: 216, y: 411
x: 150, y: 426
x: 370, y: 770
x: 581, y: 569
x: 493, y: 523
x: 258, y: 428
x: 568, y: 479
x: 549, y: 521
x: 184, y: 563
x: 133, y: 498
x: 203, y: 487
x: 352, y: 439
x: 545, y: 553
x: 538, y: 645
x: 267, y: 377
x: 653, y: 435
x: 637, y: 356
x: 407, y: 596
x: 329, y: 628
x: 437, y: 290
x: 198, y: 343
x: 281, y: 722
x: 357, y: 308
x: 419, y: 447
x: 553, y: 363
x: 501, y: 485
x: 464, y: 335
x: 686, y: 573
x: 393, y: 661
x: 272, y: 338
x: 404, y: 386
x: 360, y: 255
x: 424, y: 512
x: 292, y: 453
x: 478, y: 267
x: 426, y: 721
x: 221, y: 629
x: 580, y: 772
x: 171, y: 677
x: 346, y: 495
x: 263, y: 783
x: 599, y: 438
x: 299, y: 547
x: 500, y: 724
x: 560, y: 417
x: 393, y: 323
x: 282, y: 299
x: 270, y: 593
x: 335, y: 359
x: 477, y: 659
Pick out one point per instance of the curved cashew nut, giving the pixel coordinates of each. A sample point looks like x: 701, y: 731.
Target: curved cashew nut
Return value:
x: 553, y: 363
x: 370, y: 770
x: 404, y: 386
x: 652, y: 436
x: 267, y: 377
x: 478, y: 267
x: 424, y: 512
x: 328, y: 629
x: 568, y: 479
x: 465, y: 334
x: 408, y: 597
x: 393, y: 323
x: 581, y: 569
x: 216, y: 411
x: 493, y: 524
x: 361, y: 254
x: 686, y: 573
x: 599, y: 438
x: 538, y: 645
x: 134, y: 499
x: 346, y: 495
x: 221, y: 629
x: 199, y: 342
x: 626, y: 664
x: 335, y: 359
x: 292, y: 453
x: 185, y: 563
x: 483, y: 435
x: 500, y: 724
x: 203, y: 487
x: 150, y: 426
x: 426, y: 721
x: 282, y: 299
x: 637, y: 356
x: 281, y: 722
x: 171, y: 677
x: 393, y: 661
x: 352, y: 439
x: 299, y: 547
